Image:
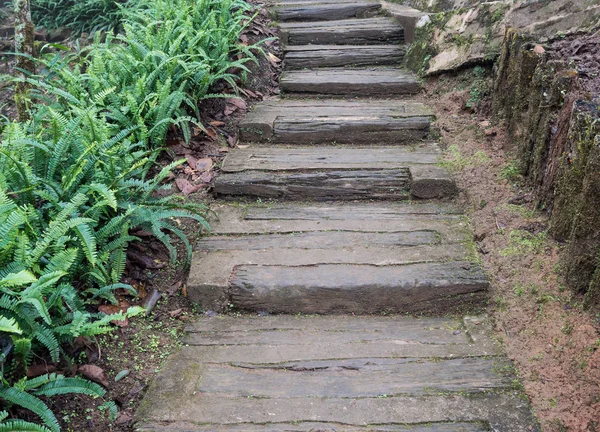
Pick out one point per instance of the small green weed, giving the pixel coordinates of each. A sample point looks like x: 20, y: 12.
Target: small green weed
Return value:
x: 524, y: 242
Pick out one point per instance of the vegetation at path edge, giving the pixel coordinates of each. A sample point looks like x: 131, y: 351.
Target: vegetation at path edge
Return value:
x: 79, y: 178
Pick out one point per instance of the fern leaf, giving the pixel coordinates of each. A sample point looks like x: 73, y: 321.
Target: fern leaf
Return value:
x: 31, y: 403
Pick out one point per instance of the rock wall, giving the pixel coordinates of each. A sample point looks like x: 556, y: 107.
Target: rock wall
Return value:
x: 553, y: 120
x: 461, y: 33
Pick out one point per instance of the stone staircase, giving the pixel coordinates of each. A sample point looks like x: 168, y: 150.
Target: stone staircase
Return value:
x: 337, y: 206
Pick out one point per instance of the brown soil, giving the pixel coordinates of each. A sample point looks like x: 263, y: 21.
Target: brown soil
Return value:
x: 552, y: 340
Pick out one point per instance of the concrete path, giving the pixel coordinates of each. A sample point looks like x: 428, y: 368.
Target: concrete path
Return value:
x: 339, y: 207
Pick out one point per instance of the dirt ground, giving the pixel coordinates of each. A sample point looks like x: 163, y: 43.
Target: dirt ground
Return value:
x: 552, y: 340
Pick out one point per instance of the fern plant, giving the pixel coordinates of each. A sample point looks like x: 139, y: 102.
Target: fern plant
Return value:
x: 26, y: 394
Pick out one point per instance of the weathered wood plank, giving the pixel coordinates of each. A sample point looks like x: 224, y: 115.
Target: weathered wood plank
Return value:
x: 332, y: 158
x: 358, y: 82
x: 353, y: 379
x: 357, y: 211
x: 353, y: 288
x: 351, y: 121
x: 317, y: 240
x: 324, y: 11
x: 313, y: 427
x: 369, y: 31
x: 323, y: 56
x: 324, y: 185
x: 306, y: 337
x: 352, y: 130
x: 321, y: 323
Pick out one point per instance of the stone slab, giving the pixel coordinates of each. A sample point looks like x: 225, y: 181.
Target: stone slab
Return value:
x: 351, y: 82
x: 239, y: 385
x: 324, y: 11
x: 324, y: 56
x: 368, y: 31
x: 342, y: 121
x: 344, y: 288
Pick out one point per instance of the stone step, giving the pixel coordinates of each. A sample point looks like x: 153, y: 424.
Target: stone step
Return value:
x: 335, y: 173
x: 351, y: 288
x: 351, y: 82
x: 297, y: 373
x: 293, y: 121
x: 305, y: 237
x: 324, y: 11
x: 324, y: 56
x: 367, y: 31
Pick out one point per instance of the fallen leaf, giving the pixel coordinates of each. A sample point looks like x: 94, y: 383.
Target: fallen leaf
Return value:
x: 110, y: 309
x: 538, y: 49
x: 185, y: 186
x: 176, y: 313
x: 123, y: 374
x: 238, y: 103
x: 94, y: 373
x: 243, y: 146
x: 232, y: 141
x: 204, y: 164
x: 143, y: 260
x: 217, y: 123
x: 192, y: 161
x: 206, y: 177
x: 115, y: 309
x: 224, y: 149
x: 124, y: 417
x: 229, y: 109
x: 36, y: 370
x: 174, y: 289
x: 244, y: 39
x: 211, y: 133
x: 274, y: 59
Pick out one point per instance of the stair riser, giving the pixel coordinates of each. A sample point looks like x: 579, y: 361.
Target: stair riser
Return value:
x: 367, y: 36
x: 319, y: 186
x: 333, y: 289
x: 380, y: 131
x: 324, y: 12
x: 350, y: 89
x: 349, y: 186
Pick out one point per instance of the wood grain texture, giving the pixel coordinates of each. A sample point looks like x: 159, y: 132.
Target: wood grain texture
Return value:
x: 324, y: 11
x: 325, y: 121
x: 321, y: 186
x: 368, y: 31
x: 314, y: 56
x: 328, y: 157
x: 327, y: 289
x: 352, y: 81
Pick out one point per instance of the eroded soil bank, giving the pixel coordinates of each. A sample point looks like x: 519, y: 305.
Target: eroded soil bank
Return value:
x: 547, y: 333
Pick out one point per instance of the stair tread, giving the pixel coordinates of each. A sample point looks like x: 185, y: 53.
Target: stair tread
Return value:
x: 305, y: 122
x: 279, y: 158
x: 291, y: 373
x: 385, y: 81
x: 323, y: 56
x: 304, y: 234
x: 323, y: 11
x: 366, y: 31
x: 326, y: 173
